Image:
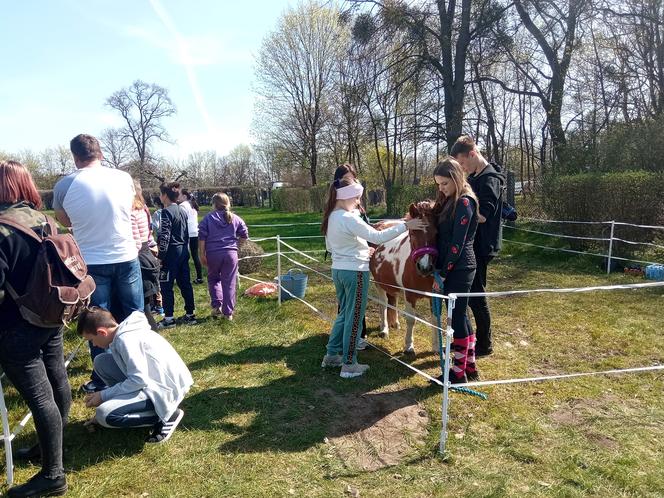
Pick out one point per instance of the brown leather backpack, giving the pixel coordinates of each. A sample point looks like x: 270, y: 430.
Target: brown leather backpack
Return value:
x: 58, y: 287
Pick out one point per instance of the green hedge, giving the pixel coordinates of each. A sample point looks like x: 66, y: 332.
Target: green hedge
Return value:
x: 291, y: 200
x: 627, y: 196
x: 318, y: 196
x: 399, y: 197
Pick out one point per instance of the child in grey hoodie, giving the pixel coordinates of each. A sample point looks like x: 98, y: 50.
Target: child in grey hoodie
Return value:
x: 147, y: 379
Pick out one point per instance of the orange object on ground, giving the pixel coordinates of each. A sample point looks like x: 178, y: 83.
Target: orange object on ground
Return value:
x: 261, y: 289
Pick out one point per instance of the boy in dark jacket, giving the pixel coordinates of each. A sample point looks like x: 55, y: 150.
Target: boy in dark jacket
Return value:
x: 488, y: 183
x: 173, y: 244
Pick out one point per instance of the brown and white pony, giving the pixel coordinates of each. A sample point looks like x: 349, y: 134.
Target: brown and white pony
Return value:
x: 406, y: 261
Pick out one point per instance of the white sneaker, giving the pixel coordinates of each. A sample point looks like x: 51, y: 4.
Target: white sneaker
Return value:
x: 215, y: 313
x: 361, y: 344
x: 229, y: 317
x: 332, y: 360
x: 353, y: 370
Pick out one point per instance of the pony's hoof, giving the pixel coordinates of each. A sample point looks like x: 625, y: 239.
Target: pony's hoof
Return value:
x: 395, y: 325
x: 384, y: 334
x: 409, y: 351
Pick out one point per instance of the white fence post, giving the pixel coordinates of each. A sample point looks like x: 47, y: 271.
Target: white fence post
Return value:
x: 608, y: 261
x: 6, y: 436
x: 279, y: 270
x: 449, y: 333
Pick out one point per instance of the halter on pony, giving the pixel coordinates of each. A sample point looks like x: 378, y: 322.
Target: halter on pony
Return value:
x: 421, y: 251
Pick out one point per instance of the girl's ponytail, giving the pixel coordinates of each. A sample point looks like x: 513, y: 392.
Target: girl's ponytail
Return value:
x: 222, y: 202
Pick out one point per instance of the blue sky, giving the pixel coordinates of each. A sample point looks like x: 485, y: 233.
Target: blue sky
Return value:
x: 63, y: 58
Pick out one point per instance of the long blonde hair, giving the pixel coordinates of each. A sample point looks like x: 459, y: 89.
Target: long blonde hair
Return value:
x: 446, y: 206
x: 139, y: 201
x: 222, y: 202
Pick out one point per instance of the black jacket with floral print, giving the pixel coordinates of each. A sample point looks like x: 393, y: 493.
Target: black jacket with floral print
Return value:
x: 456, y: 236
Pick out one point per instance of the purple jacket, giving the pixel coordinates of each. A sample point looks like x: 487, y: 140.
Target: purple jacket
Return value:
x: 220, y: 235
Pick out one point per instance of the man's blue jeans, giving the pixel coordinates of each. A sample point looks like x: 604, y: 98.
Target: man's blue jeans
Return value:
x: 119, y: 290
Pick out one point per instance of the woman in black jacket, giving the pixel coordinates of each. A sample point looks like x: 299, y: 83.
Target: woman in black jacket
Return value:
x: 456, y: 208
x: 32, y: 357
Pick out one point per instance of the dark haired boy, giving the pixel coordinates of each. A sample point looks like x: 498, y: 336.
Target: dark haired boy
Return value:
x: 487, y: 180
x: 173, y: 244
x: 147, y: 379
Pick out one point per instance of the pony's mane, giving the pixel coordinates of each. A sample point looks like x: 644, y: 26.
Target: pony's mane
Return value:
x: 425, y: 208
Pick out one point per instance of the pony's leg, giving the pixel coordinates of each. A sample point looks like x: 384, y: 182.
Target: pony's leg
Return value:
x: 384, y: 328
x: 409, y: 345
x: 392, y: 313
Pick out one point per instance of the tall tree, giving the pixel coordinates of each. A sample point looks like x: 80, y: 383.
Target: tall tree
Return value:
x: 554, y: 26
x: 143, y: 106
x: 294, y: 69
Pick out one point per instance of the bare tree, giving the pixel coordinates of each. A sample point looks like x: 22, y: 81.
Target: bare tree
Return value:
x: 116, y: 146
x: 294, y: 69
x: 143, y: 106
x: 556, y: 34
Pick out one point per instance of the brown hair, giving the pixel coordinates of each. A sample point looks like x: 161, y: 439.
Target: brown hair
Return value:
x: 463, y: 145
x: 222, y: 202
x: 343, y: 170
x: 16, y: 184
x: 92, y: 318
x: 171, y: 190
x: 85, y: 148
x: 191, y: 199
x: 332, y: 201
x: 446, y: 206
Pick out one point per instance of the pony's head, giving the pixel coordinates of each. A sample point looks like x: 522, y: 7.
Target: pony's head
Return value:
x: 423, y: 242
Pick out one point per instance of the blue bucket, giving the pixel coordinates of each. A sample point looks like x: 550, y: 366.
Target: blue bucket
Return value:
x: 655, y: 272
x: 295, y: 282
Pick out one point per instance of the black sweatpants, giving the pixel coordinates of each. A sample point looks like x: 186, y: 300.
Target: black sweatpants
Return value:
x: 480, y: 307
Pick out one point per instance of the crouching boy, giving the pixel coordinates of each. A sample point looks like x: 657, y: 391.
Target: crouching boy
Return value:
x: 147, y: 379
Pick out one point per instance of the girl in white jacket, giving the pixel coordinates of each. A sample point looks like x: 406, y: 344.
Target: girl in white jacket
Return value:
x: 346, y: 236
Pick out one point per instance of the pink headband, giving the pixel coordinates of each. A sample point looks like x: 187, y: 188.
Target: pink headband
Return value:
x: 350, y: 191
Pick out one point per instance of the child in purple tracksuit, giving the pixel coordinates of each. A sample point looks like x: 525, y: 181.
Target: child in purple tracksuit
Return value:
x: 218, y: 236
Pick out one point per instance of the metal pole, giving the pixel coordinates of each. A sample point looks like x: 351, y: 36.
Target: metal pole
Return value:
x: 7, y: 437
x: 279, y: 270
x: 608, y: 261
x: 449, y: 333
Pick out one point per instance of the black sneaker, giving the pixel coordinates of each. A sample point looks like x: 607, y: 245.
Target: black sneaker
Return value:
x: 166, y: 324
x: 39, y: 485
x: 198, y: 281
x: 479, y: 353
x: 187, y: 320
x: 162, y: 431
x: 473, y: 376
x: 453, y: 378
x: 92, y: 387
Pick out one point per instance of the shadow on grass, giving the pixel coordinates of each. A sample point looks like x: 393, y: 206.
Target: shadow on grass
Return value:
x: 84, y: 449
x: 298, y: 411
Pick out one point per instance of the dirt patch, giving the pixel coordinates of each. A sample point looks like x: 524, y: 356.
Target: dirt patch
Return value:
x: 602, y: 441
x: 376, y: 429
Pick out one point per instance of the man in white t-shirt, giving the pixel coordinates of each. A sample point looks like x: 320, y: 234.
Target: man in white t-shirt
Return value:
x: 96, y: 202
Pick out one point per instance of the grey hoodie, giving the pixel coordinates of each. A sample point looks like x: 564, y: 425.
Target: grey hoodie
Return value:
x: 150, y: 364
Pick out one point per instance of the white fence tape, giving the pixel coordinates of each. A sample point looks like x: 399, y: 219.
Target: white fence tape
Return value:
x: 603, y: 239
x: 562, y: 376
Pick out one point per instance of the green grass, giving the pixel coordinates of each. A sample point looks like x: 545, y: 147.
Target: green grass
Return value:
x: 260, y: 410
